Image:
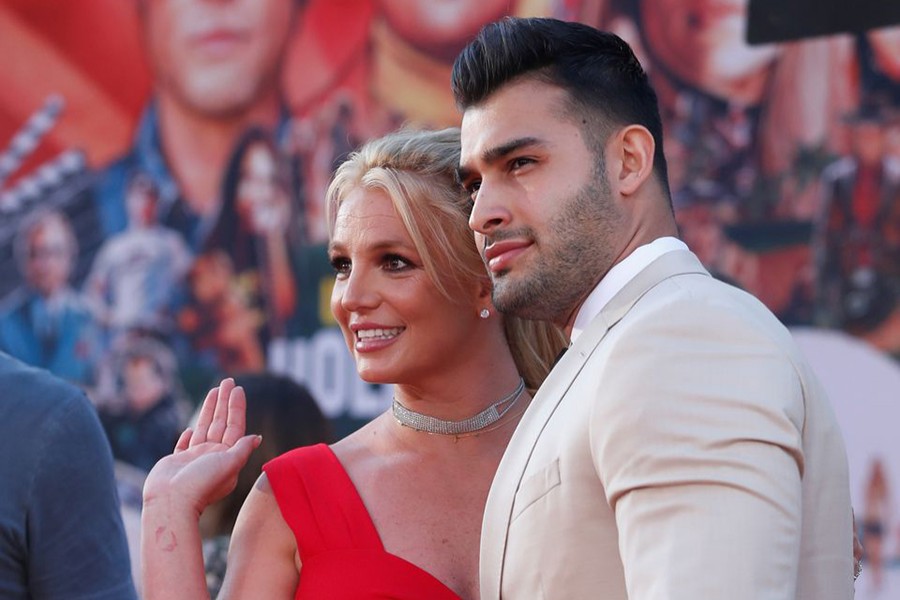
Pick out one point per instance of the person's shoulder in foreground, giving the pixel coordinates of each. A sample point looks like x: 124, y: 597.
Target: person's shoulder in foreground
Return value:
x: 61, y: 533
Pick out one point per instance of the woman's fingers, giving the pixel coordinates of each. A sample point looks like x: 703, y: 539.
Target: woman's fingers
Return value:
x: 236, y: 416
x: 239, y: 453
x: 204, y: 419
x: 220, y: 415
x: 184, y: 440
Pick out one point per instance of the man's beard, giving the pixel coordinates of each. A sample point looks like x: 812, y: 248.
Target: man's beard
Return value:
x: 568, y: 261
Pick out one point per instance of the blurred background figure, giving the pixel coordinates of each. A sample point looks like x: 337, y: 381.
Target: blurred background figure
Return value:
x: 220, y: 319
x: 731, y: 108
x: 702, y: 217
x: 755, y: 123
x: 287, y: 417
x: 402, y: 77
x: 876, y: 522
x: 323, y: 140
x: 136, y: 277
x: 254, y: 226
x: 414, y: 43
x: 216, y: 69
x: 49, y: 325
x: 62, y: 534
x: 858, y: 234
x: 140, y: 404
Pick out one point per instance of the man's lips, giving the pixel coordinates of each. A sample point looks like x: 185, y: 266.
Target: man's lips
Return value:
x: 221, y: 40
x: 499, y: 255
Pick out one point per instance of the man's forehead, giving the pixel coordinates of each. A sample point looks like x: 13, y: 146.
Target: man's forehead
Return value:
x: 469, y: 131
x: 483, y: 130
x: 517, y: 110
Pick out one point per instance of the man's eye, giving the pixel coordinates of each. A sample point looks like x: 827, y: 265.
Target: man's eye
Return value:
x: 472, y: 189
x: 520, y: 162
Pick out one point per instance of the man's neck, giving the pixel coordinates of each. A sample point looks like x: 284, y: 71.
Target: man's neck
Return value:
x: 197, y: 147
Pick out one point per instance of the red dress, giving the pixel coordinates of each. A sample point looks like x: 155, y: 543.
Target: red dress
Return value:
x: 341, y: 554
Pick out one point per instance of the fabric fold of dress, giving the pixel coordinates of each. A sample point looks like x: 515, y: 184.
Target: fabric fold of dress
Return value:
x: 340, y: 550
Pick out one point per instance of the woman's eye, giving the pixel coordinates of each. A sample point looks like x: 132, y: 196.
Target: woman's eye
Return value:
x: 393, y: 262
x: 341, y: 266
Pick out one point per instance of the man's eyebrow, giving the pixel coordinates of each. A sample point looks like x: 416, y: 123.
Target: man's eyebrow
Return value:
x: 492, y: 155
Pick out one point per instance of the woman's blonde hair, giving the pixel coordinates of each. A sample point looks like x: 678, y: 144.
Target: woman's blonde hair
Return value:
x: 417, y: 171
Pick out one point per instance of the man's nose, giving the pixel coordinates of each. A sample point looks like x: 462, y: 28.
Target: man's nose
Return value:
x: 490, y: 210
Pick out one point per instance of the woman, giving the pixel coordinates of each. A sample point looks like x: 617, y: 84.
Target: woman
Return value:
x: 253, y: 227
x: 393, y: 510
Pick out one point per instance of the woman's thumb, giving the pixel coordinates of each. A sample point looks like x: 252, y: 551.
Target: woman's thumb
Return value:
x: 244, y: 446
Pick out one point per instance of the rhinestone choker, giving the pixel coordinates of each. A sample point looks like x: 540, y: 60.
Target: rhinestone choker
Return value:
x: 429, y: 424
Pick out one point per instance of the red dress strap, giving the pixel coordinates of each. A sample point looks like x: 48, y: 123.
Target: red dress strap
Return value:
x: 340, y: 550
x: 326, y: 511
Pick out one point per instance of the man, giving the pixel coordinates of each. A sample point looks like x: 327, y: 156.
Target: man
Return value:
x: 49, y: 326
x: 856, y: 241
x: 62, y: 534
x: 681, y: 448
x: 217, y: 70
x: 135, y: 276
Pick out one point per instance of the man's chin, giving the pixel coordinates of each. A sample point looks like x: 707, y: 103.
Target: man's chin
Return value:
x: 220, y: 97
x: 510, y: 298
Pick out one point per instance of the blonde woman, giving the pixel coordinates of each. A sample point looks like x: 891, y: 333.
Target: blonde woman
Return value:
x: 393, y: 510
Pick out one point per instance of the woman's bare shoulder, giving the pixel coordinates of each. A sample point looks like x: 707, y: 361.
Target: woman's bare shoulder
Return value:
x: 262, y: 558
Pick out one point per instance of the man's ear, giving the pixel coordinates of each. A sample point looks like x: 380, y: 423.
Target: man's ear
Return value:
x: 634, y: 148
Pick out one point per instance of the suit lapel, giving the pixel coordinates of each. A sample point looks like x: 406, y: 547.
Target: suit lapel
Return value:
x: 499, y: 508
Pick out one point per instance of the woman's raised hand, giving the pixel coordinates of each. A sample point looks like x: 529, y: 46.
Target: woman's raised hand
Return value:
x: 207, y: 459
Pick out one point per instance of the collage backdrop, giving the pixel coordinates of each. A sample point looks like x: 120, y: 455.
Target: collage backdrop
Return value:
x: 163, y: 165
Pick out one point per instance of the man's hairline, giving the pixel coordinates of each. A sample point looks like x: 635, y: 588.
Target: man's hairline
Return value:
x: 571, y: 110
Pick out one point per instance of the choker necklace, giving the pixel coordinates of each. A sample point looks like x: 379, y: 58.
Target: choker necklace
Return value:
x: 429, y: 424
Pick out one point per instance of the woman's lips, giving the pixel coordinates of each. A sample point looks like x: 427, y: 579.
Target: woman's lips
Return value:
x: 370, y: 339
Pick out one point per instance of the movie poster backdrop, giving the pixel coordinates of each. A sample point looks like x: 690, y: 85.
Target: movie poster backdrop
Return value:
x: 163, y: 165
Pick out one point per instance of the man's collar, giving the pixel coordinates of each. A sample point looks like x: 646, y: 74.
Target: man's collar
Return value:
x: 619, y: 276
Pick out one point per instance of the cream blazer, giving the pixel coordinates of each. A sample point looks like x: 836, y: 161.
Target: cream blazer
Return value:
x: 680, y: 450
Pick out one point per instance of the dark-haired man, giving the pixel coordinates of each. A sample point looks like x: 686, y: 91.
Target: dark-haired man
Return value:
x: 682, y: 448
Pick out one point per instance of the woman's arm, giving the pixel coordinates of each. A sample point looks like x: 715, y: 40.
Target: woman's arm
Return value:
x: 203, y: 469
x: 262, y: 558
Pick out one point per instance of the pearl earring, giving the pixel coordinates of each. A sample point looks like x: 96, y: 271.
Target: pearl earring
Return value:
x: 485, y: 313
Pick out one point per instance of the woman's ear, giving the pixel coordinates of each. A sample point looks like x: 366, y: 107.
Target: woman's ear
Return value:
x: 485, y: 288
x: 635, y: 149
x: 483, y: 298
